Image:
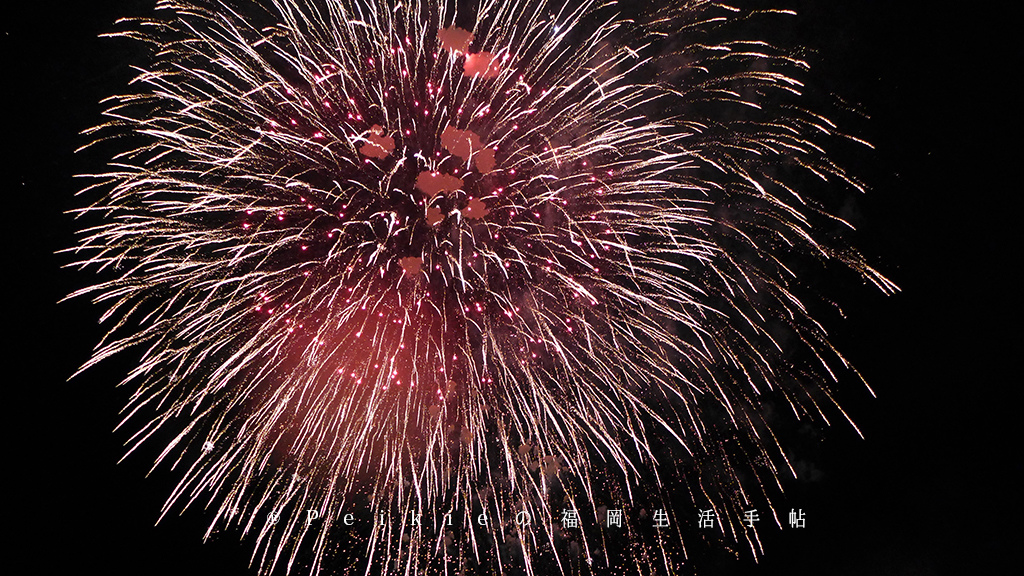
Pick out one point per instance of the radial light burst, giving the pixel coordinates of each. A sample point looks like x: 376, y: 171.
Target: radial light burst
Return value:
x: 410, y: 284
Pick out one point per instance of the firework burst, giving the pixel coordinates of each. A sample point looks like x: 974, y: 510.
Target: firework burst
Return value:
x: 410, y: 281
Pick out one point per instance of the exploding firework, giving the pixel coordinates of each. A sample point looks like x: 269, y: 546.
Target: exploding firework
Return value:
x: 414, y: 284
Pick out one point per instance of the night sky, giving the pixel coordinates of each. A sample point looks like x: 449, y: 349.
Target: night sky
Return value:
x: 930, y: 490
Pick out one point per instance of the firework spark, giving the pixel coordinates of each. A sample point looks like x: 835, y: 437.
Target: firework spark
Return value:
x: 447, y: 264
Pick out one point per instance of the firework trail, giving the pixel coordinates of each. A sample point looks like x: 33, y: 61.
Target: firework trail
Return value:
x: 427, y: 264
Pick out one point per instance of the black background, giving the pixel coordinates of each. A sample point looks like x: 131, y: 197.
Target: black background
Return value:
x: 932, y: 489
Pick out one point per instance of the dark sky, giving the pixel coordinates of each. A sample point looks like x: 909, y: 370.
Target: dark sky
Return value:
x: 928, y: 492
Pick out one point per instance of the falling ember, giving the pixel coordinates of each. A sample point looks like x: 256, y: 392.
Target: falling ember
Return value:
x: 466, y: 145
x: 434, y: 216
x: 342, y: 302
x: 432, y: 183
x: 461, y: 143
x: 412, y: 265
x: 455, y: 39
x: 378, y: 146
x: 475, y: 209
x: 484, y: 160
x: 482, y: 64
